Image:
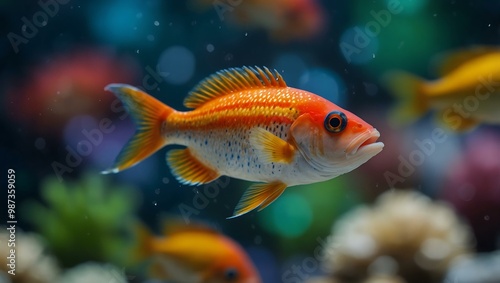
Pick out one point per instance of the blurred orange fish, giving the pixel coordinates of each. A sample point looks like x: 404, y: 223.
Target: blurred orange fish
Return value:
x: 195, y: 254
x: 283, y: 19
x: 248, y: 124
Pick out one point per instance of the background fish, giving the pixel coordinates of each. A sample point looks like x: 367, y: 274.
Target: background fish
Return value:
x: 248, y: 124
x: 466, y: 94
x: 196, y: 254
x: 284, y: 20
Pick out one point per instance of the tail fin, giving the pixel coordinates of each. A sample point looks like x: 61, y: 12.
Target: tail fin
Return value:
x: 408, y: 89
x: 148, y: 114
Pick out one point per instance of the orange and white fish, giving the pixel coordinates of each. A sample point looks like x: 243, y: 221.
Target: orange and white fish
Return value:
x: 248, y: 124
x: 466, y: 95
x: 195, y: 254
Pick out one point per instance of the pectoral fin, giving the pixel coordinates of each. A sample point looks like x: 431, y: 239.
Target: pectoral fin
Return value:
x: 258, y: 196
x: 271, y: 148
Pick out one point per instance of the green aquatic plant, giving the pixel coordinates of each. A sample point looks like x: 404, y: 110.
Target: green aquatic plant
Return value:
x: 84, y: 220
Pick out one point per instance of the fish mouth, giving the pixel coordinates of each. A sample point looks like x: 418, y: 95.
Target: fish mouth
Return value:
x: 366, y: 142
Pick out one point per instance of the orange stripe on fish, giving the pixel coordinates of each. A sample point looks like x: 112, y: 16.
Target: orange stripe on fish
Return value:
x: 248, y: 124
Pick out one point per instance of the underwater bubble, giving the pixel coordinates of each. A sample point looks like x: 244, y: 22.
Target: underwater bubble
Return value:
x: 210, y: 48
x: 359, y: 44
x: 291, y: 67
x: 156, y: 23
x: 165, y: 180
x: 176, y: 64
x: 228, y: 57
x: 40, y: 143
x: 150, y: 37
x: 291, y: 216
x: 324, y: 83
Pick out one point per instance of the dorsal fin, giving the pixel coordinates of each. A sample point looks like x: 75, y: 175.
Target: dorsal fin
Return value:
x: 174, y: 225
x: 449, y: 61
x: 230, y: 80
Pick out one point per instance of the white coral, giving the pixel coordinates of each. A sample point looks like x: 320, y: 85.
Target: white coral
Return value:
x: 93, y: 272
x: 404, y: 233
x: 33, y: 265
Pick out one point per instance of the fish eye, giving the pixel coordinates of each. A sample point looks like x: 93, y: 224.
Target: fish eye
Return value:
x: 335, y: 122
x: 231, y: 274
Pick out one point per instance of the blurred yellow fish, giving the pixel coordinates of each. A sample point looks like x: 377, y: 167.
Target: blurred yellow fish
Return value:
x: 248, y: 124
x: 195, y: 254
x: 467, y: 94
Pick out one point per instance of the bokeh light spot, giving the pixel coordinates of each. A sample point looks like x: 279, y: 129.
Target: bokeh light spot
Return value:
x: 409, y: 6
x: 359, y: 44
x: 324, y: 83
x: 290, y: 216
x: 40, y: 143
x: 210, y: 47
x: 73, y: 131
x: 176, y: 64
x: 291, y: 67
x: 115, y: 21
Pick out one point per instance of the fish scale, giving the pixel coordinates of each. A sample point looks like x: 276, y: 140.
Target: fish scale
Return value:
x: 248, y: 124
x: 227, y: 150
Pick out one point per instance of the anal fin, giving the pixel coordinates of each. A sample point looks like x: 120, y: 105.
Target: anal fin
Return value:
x: 188, y: 169
x: 258, y: 196
x: 459, y: 124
